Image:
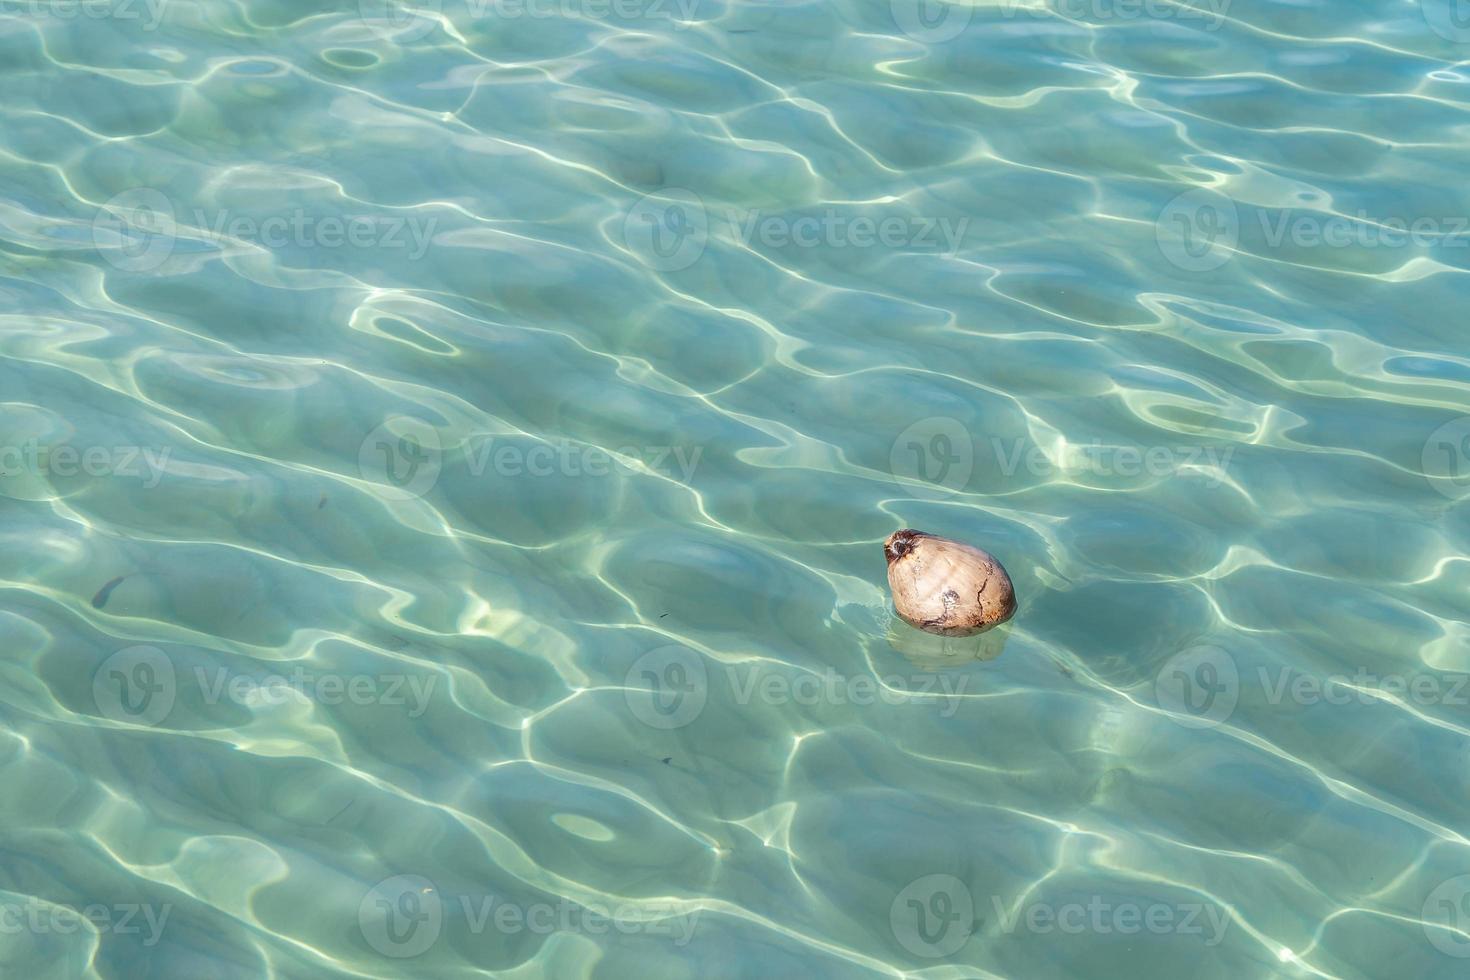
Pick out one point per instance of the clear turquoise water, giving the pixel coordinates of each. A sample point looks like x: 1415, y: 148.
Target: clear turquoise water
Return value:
x: 446, y: 457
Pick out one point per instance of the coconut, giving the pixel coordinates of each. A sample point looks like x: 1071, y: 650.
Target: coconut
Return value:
x: 946, y: 587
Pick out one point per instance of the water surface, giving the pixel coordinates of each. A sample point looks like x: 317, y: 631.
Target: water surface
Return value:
x: 447, y: 451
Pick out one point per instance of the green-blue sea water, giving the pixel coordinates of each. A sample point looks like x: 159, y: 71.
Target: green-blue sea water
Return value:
x: 446, y: 450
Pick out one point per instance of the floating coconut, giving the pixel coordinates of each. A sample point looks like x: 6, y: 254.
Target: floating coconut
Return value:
x: 945, y: 587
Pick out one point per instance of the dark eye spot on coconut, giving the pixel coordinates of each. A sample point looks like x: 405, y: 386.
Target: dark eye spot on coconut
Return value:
x: 103, y: 594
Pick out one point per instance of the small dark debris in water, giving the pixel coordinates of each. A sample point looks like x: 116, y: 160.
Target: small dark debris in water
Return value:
x: 342, y: 811
x: 667, y: 759
x: 395, y: 642
x: 1063, y: 669
x: 665, y: 615
x: 103, y: 594
x: 321, y: 503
